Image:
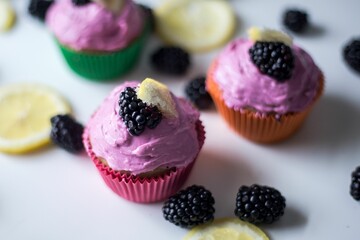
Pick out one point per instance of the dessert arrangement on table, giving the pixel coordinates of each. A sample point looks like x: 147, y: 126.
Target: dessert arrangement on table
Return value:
x: 144, y: 140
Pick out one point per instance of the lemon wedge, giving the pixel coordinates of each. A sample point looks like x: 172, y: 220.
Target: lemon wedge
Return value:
x: 195, y: 25
x: 25, y: 112
x: 7, y: 15
x: 226, y: 229
x: 157, y: 94
x: 269, y: 35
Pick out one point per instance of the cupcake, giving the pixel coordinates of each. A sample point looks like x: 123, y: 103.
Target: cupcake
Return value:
x: 144, y: 140
x: 99, y: 39
x: 264, y: 87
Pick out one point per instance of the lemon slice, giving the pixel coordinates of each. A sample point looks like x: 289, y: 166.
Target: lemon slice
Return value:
x: 269, y: 35
x: 25, y: 112
x: 195, y: 25
x: 7, y: 15
x: 226, y: 229
x: 157, y: 94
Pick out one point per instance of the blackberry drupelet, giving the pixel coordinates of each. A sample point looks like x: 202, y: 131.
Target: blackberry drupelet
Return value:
x: 295, y: 20
x: 355, y: 184
x: 171, y: 60
x: 81, y: 2
x: 195, y: 90
x: 136, y: 114
x: 274, y: 59
x: 351, y: 54
x: 39, y: 8
x: 259, y: 204
x: 67, y: 133
x: 190, y: 207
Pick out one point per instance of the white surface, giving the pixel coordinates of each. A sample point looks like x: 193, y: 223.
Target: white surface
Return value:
x: 54, y: 195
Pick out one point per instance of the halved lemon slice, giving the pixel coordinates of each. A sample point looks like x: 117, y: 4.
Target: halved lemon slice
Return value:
x: 269, y: 35
x: 196, y: 25
x: 226, y: 229
x: 7, y: 15
x: 25, y: 112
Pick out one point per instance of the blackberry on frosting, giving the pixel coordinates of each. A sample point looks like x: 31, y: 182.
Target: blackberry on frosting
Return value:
x: 144, y: 107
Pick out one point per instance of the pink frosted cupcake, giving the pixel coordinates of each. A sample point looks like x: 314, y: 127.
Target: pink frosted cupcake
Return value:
x: 145, y: 144
x: 99, y: 39
x: 264, y: 87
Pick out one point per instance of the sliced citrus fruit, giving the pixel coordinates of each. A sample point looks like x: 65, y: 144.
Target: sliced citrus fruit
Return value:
x: 226, y: 229
x: 7, y: 15
x: 157, y: 94
x: 25, y: 112
x: 269, y: 35
x: 196, y: 25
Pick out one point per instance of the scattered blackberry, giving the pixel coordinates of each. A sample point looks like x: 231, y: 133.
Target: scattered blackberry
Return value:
x: 295, y: 20
x: 81, y: 2
x: 190, y: 207
x: 259, y: 204
x: 355, y: 184
x: 136, y: 114
x: 149, y: 14
x: 171, y: 60
x: 274, y: 59
x: 38, y: 8
x: 351, y: 54
x: 196, y: 92
x: 67, y: 133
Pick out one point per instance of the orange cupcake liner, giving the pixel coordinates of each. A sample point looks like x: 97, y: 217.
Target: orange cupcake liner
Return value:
x: 249, y: 124
x: 145, y: 189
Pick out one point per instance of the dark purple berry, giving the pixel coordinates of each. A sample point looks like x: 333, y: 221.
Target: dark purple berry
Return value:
x: 274, y: 59
x: 170, y: 60
x: 39, y: 8
x: 136, y: 114
x: 295, y: 20
x: 196, y: 92
x: 67, y: 133
x: 355, y: 184
x: 81, y: 2
x: 351, y: 54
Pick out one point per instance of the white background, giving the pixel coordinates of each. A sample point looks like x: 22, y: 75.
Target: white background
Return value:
x: 51, y: 194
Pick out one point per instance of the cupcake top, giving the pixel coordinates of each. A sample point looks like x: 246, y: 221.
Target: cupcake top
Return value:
x: 247, y: 83
x: 169, y: 142
x: 93, y: 27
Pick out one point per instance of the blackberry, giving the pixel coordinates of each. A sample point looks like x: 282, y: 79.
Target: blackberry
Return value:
x: 39, y: 8
x: 136, y: 114
x: 355, y: 184
x: 195, y: 90
x: 170, y: 60
x: 81, y: 2
x: 351, y: 54
x: 259, y: 204
x: 274, y: 59
x: 67, y: 133
x: 149, y: 14
x: 295, y: 20
x: 190, y: 207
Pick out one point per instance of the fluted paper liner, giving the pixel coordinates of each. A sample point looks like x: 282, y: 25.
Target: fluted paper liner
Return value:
x: 143, y: 190
x: 249, y: 124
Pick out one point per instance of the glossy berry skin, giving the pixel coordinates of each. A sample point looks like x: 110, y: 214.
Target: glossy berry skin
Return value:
x: 136, y: 114
x: 355, y: 184
x: 39, y: 8
x: 351, y: 54
x: 170, y: 60
x: 67, y: 133
x: 190, y: 207
x: 196, y: 92
x: 81, y: 2
x: 295, y: 20
x: 274, y: 59
x: 259, y: 204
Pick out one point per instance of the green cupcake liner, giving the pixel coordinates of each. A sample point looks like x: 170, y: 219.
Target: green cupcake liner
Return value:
x: 105, y: 66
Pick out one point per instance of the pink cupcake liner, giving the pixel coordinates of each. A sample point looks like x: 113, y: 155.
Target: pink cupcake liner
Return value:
x: 143, y: 190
